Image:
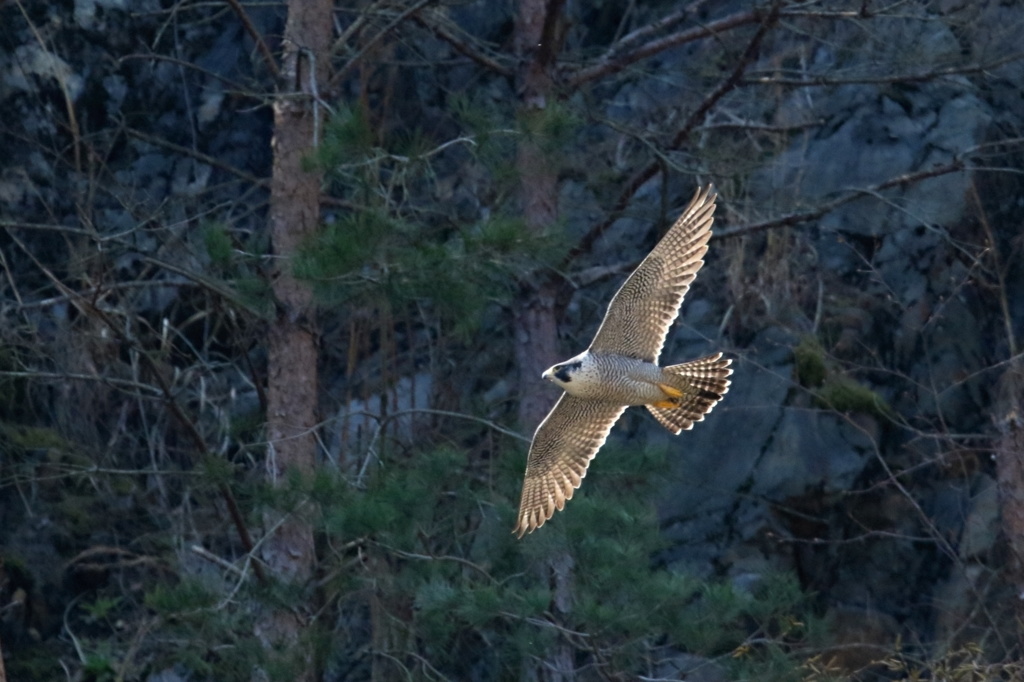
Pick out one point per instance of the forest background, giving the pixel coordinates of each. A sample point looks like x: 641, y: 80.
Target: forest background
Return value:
x: 278, y: 280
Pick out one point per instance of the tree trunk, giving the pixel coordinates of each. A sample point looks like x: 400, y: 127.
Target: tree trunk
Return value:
x: 292, y: 339
x: 536, y: 348
x: 1009, y: 417
x: 536, y: 43
x: 536, y: 330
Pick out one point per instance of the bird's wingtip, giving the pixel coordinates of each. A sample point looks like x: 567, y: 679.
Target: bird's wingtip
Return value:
x: 523, y: 528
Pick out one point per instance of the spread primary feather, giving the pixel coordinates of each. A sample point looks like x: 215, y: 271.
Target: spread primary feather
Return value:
x: 620, y: 369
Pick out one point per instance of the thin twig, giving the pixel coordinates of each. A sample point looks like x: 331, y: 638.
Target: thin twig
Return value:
x: 463, y: 47
x: 74, y: 376
x: 997, y: 266
x: 232, y: 87
x: 89, y: 308
x: 645, y: 174
x: 650, y: 30
x: 268, y: 56
x: 213, y: 558
x: 932, y: 74
x: 437, y: 557
x: 69, y: 106
x: 617, y: 63
x: 371, y: 449
x: 956, y: 165
x: 199, y: 156
x: 409, y: 11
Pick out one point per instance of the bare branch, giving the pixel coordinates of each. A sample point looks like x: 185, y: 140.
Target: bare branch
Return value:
x: 463, y: 46
x: 763, y: 127
x: 201, y: 281
x: 734, y: 79
x: 645, y: 174
x: 351, y: 63
x: 437, y: 557
x: 198, y: 156
x: 268, y: 56
x: 999, y: 269
x: 232, y: 86
x: 69, y: 107
x: 617, y: 63
x: 932, y: 74
x: 92, y: 293
x: 263, y: 183
x: 954, y: 166
x: 650, y: 30
x: 89, y: 308
x: 134, y: 386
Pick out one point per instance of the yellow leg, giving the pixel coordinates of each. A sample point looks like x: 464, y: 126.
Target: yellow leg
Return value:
x: 671, y: 392
x: 673, y: 399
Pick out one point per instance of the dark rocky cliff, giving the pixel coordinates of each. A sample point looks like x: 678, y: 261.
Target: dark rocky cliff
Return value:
x: 866, y: 274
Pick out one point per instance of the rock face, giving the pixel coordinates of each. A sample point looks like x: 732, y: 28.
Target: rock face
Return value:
x: 880, y: 136
x: 769, y: 470
x: 853, y: 448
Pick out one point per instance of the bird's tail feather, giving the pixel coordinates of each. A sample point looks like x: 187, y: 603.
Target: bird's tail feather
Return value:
x: 702, y: 383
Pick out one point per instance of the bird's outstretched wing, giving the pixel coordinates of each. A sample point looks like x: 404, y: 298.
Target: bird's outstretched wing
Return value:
x: 562, y: 447
x: 644, y: 308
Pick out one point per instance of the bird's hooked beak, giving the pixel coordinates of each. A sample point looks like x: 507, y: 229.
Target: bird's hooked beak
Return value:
x: 548, y: 374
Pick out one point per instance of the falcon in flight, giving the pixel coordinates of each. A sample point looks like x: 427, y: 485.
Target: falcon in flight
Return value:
x: 621, y: 369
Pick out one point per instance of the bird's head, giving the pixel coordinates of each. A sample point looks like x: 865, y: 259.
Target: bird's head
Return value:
x: 563, y: 372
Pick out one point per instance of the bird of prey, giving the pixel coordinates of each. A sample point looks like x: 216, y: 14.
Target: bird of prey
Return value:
x: 621, y: 369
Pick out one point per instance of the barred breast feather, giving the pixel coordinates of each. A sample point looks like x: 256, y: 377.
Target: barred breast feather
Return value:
x: 620, y: 369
